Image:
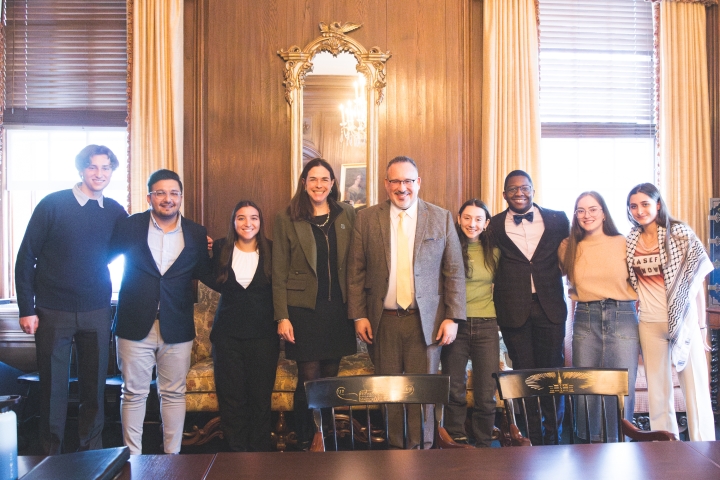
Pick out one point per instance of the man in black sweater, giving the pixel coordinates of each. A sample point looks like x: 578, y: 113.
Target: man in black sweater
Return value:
x: 63, y: 290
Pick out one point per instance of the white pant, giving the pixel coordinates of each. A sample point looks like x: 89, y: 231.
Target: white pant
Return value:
x: 694, y: 382
x: 136, y: 360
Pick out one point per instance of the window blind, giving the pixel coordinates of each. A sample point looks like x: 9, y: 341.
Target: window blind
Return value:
x: 65, y: 62
x: 596, y: 68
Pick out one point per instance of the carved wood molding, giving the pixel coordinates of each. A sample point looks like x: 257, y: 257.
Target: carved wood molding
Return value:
x: 333, y: 39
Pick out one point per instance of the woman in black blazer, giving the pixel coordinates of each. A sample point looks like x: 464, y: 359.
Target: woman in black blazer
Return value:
x: 245, y: 342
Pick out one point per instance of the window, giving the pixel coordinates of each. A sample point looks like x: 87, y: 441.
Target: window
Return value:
x: 65, y: 62
x: 65, y: 70
x: 43, y: 161
x: 596, y: 101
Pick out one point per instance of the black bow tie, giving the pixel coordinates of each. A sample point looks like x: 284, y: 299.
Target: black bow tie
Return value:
x: 519, y: 218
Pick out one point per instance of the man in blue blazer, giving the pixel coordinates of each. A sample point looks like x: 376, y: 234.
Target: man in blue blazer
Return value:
x: 528, y: 294
x: 154, y: 323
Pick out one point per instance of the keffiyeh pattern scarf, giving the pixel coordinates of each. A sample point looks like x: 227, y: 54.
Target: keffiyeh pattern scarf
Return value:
x: 684, y: 269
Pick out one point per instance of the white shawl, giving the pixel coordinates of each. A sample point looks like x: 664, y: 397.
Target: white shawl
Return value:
x: 683, y: 273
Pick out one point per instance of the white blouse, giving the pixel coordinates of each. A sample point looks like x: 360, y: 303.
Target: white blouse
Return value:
x: 244, y: 265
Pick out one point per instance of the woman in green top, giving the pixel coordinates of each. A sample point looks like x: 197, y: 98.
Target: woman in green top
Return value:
x: 477, y: 339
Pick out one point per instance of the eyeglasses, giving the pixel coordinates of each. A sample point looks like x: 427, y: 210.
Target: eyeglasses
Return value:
x: 526, y: 189
x: 591, y: 212
x: 161, y: 194
x: 407, y: 182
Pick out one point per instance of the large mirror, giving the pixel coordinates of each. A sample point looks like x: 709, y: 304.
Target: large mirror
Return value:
x: 334, y: 88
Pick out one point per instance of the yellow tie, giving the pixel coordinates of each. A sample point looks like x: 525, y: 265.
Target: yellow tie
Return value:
x: 404, y: 294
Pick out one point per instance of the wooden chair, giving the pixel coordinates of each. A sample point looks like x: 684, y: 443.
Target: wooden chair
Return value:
x: 376, y: 392
x: 576, y: 383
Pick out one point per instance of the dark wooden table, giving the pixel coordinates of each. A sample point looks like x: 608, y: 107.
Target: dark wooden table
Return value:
x: 658, y: 460
x: 636, y: 461
x: 148, y: 467
x: 709, y: 449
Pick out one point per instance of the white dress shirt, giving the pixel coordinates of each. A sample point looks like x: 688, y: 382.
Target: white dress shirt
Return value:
x: 165, y: 247
x: 526, y: 235
x: 409, y: 226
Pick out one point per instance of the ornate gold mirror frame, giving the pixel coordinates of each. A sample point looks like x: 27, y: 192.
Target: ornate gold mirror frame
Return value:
x: 371, y: 63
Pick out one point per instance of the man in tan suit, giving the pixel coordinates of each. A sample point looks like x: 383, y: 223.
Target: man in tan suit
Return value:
x: 406, y: 284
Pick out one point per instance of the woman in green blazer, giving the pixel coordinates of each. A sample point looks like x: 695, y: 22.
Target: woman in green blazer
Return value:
x: 310, y: 245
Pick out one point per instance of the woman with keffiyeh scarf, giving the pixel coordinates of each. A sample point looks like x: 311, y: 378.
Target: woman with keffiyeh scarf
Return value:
x: 667, y: 265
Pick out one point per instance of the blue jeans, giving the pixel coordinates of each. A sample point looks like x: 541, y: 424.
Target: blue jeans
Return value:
x: 477, y: 340
x: 605, y: 334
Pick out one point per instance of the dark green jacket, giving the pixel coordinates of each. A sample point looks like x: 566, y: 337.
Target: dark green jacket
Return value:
x: 294, y: 260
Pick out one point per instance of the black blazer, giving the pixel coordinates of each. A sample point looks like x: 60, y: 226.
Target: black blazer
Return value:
x: 243, y: 313
x: 143, y: 287
x: 512, y: 292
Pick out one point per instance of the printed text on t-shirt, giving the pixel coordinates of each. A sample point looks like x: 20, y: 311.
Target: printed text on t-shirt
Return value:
x: 647, y: 265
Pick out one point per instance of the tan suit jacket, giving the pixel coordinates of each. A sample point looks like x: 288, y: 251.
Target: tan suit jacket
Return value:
x: 437, y: 262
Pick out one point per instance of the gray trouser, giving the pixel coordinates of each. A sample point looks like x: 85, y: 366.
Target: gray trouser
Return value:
x: 53, y: 340
x: 136, y: 360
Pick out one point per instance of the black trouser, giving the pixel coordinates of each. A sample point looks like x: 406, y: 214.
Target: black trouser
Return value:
x: 244, y: 379
x: 538, y: 344
x: 53, y: 341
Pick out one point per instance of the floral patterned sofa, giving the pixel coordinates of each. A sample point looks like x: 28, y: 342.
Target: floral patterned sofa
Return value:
x: 201, y: 396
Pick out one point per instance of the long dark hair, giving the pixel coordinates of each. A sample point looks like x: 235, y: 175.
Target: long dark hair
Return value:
x: 263, y: 244
x: 300, y: 207
x: 577, y: 233
x: 664, y: 219
x: 485, y: 241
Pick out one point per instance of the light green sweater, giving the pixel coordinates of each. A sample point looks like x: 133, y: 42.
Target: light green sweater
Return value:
x: 479, y: 288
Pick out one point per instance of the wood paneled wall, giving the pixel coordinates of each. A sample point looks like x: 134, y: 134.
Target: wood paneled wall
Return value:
x: 237, y: 127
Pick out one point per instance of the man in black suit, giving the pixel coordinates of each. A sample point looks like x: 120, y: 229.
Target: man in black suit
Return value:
x: 528, y: 293
x: 154, y: 323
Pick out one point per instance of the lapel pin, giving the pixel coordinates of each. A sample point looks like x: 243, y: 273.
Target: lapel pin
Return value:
x: 342, y: 225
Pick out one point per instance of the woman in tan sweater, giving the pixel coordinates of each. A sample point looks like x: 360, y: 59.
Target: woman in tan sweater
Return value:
x: 605, y: 328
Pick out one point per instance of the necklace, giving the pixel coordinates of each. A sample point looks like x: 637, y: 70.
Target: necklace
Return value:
x: 650, y: 244
x: 325, y: 222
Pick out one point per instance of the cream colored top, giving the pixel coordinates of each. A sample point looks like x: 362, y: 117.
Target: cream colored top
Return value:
x: 600, y: 269
x: 651, y: 283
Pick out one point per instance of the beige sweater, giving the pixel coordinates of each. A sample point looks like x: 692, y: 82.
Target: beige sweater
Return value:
x: 600, y: 269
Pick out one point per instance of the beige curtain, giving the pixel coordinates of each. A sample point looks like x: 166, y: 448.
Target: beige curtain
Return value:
x: 156, y: 110
x: 510, y: 96
x: 684, y: 119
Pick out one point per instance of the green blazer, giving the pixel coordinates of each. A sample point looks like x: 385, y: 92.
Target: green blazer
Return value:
x: 294, y: 260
